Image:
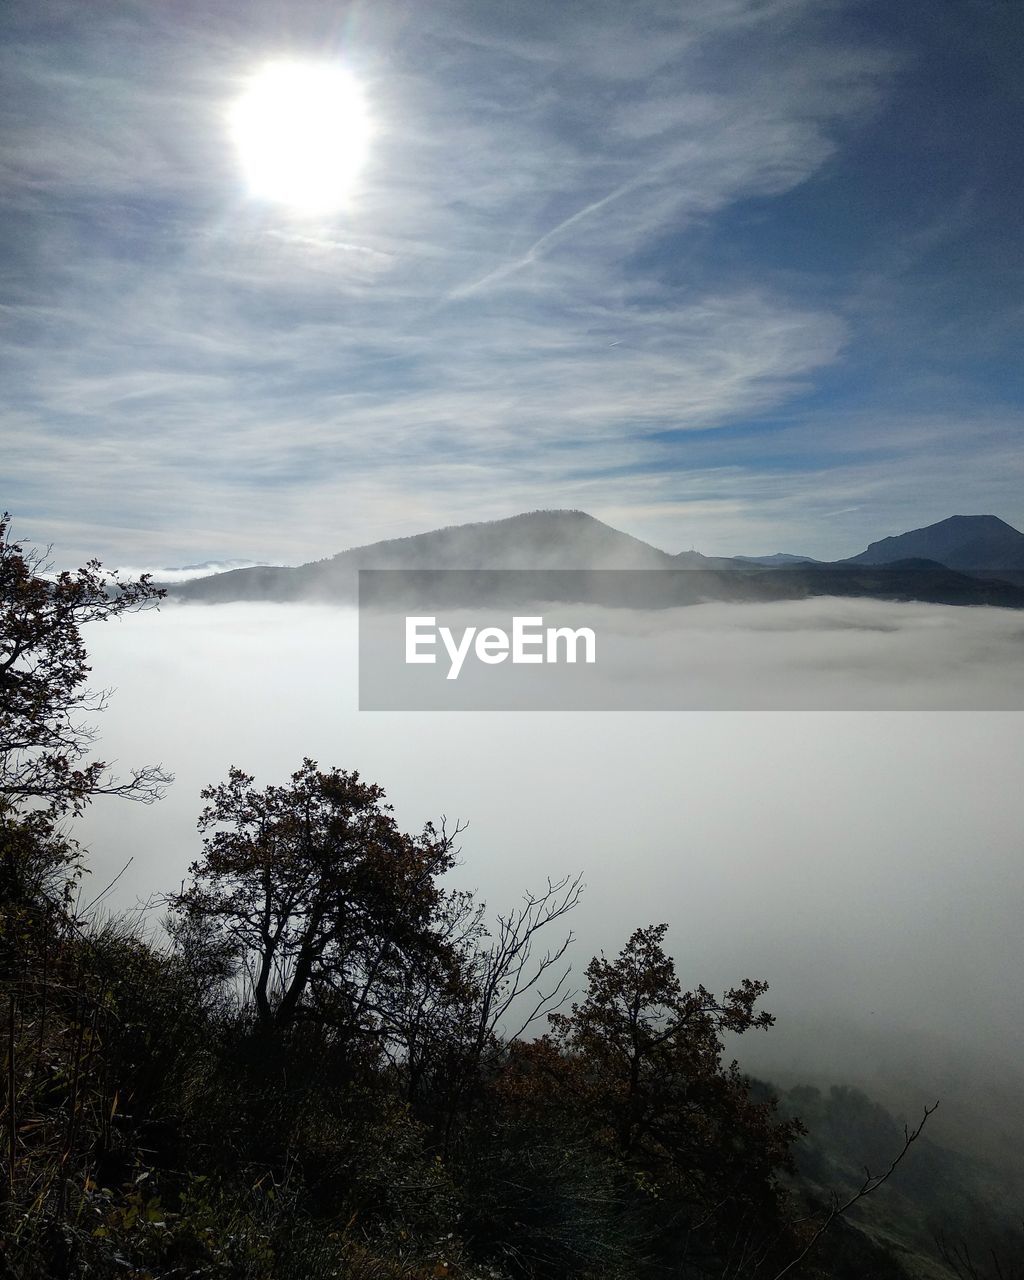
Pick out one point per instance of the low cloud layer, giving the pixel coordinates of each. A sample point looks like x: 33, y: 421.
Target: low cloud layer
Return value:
x: 822, y: 654
x: 183, y: 573
x: 867, y: 865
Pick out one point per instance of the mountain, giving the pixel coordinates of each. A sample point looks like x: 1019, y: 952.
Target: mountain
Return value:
x: 533, y: 540
x: 779, y: 558
x: 572, y: 541
x: 972, y: 544
x: 694, y: 560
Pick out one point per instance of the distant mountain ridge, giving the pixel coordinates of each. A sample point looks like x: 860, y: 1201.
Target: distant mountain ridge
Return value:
x: 971, y: 544
x: 779, y: 558
x: 964, y: 565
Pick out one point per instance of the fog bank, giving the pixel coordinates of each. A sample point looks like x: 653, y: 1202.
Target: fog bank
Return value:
x: 866, y: 864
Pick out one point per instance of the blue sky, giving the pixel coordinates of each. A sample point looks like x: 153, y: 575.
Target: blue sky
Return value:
x: 744, y: 275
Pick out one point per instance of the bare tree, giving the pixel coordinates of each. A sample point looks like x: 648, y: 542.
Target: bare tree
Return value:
x: 507, y: 982
x: 505, y: 973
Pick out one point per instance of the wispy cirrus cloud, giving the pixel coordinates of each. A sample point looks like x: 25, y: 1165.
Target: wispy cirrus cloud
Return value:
x: 513, y: 311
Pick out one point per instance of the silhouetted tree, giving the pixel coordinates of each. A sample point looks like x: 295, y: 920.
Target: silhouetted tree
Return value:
x: 326, y: 901
x: 43, y: 669
x: 46, y: 776
x: 644, y: 1060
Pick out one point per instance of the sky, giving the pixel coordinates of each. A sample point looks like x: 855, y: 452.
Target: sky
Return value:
x: 742, y: 276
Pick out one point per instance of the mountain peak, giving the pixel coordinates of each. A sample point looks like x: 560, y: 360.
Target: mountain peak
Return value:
x: 987, y: 523
x: 556, y: 539
x: 972, y: 544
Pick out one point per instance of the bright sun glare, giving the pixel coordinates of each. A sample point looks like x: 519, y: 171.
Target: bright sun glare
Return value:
x: 302, y: 134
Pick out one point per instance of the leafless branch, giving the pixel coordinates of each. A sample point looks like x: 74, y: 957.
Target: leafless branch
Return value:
x: 871, y: 1183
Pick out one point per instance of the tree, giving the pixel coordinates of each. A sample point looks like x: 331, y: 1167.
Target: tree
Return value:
x: 327, y: 903
x: 44, y: 740
x: 453, y: 1035
x: 655, y: 1051
x: 644, y: 1059
x: 52, y: 999
x: 45, y: 734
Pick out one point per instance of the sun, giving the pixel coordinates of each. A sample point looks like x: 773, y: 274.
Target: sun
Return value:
x: 302, y: 134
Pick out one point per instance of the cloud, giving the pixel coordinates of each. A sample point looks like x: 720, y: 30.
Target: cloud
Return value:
x: 860, y: 862
x: 187, y: 364
x: 183, y: 573
x: 820, y: 654
x: 515, y: 312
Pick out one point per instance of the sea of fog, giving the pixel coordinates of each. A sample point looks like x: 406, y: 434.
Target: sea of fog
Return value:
x: 867, y: 864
